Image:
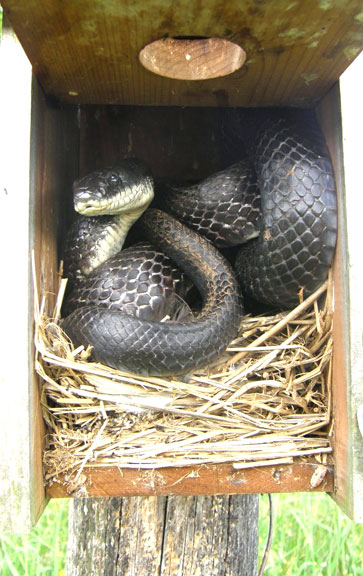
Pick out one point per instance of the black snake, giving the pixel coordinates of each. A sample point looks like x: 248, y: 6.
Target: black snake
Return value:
x: 282, y: 207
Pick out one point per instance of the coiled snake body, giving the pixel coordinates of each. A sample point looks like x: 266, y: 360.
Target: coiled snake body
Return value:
x: 294, y: 231
x: 295, y: 248
x: 150, y: 347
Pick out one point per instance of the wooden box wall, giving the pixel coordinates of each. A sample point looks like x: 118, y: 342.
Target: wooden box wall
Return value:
x: 62, y: 140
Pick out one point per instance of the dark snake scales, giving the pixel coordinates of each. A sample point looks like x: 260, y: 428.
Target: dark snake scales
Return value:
x: 126, y: 342
x: 296, y: 231
x: 295, y: 248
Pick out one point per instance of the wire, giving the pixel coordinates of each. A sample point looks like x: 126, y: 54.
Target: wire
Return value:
x: 269, y: 536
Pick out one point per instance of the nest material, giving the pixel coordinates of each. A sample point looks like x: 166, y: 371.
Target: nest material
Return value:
x: 266, y: 400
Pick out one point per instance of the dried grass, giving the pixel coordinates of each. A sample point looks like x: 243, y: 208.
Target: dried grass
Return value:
x: 266, y: 400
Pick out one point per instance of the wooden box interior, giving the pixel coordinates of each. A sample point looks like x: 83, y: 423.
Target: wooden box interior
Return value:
x: 182, y: 143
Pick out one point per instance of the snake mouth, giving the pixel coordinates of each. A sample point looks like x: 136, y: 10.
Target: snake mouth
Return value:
x: 91, y: 207
x: 86, y: 209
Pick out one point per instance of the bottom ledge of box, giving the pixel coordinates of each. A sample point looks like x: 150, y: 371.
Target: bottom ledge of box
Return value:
x: 300, y: 476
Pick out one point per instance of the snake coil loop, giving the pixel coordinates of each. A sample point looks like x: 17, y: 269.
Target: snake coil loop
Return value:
x: 282, y: 208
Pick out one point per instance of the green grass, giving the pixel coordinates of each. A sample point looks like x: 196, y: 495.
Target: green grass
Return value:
x: 311, y: 538
x: 41, y: 553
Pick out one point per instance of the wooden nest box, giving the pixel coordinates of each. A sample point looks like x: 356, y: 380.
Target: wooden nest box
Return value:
x: 86, y: 83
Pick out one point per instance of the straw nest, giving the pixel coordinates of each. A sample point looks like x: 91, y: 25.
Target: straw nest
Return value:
x: 266, y: 400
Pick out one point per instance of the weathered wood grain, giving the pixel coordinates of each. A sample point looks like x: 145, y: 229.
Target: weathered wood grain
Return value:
x: 330, y: 115
x: 342, y: 122
x: 166, y: 536
x: 211, y: 536
x: 20, y: 467
x: 352, y: 127
x: 85, y: 51
x: 115, y: 536
x: 201, y: 480
x: 39, y: 157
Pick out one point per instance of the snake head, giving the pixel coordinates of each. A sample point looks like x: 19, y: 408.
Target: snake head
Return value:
x: 110, y: 191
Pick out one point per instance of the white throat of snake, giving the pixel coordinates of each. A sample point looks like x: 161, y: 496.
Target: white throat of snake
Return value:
x: 124, y: 210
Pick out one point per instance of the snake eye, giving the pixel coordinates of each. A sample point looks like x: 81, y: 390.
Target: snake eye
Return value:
x: 113, y: 179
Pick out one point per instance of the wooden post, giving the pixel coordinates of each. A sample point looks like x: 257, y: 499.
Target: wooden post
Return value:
x: 164, y: 536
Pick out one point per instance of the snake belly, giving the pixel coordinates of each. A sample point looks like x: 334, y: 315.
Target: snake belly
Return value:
x: 295, y: 249
x: 154, y: 348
